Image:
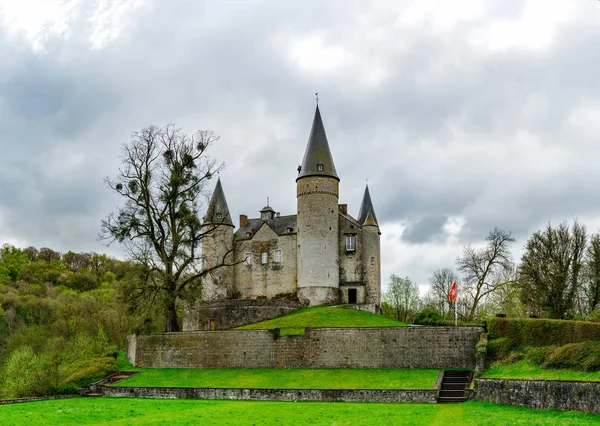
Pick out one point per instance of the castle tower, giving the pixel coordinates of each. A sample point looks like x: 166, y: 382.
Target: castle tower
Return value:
x: 217, y: 247
x: 317, y: 191
x: 371, y: 240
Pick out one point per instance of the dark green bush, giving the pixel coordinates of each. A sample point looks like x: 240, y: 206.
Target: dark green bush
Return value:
x: 584, y: 356
x: 86, y: 372
x: 501, y: 348
x: 543, y: 332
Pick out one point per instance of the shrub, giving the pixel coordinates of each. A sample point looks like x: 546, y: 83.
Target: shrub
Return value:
x: 501, y: 348
x: 86, y: 372
x: 543, y: 332
x: 30, y: 374
x: 583, y: 356
x: 428, y: 316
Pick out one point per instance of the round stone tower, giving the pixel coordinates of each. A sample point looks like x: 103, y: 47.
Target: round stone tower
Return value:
x: 317, y: 191
x: 217, y: 248
x: 371, y: 243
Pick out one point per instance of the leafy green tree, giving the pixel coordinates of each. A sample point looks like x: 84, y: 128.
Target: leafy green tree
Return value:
x: 550, y: 273
x: 402, y: 296
x: 12, y: 260
x: 592, y: 273
x: 163, y: 174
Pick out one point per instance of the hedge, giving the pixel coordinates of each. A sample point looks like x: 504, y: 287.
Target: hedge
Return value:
x: 543, y: 332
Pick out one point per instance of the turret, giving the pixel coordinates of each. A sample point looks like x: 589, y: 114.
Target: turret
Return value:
x: 371, y: 243
x: 217, y: 247
x: 317, y: 191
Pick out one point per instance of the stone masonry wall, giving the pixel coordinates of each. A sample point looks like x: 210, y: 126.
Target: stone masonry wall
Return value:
x: 233, y: 313
x: 325, y: 395
x: 540, y: 394
x: 393, y: 347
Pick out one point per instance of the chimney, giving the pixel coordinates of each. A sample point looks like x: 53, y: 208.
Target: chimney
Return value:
x: 243, y: 220
x: 343, y: 208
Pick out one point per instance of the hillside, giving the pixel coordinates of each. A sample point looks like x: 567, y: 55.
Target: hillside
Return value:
x: 325, y: 316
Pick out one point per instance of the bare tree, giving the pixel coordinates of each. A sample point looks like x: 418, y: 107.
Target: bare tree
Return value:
x: 440, y: 284
x: 551, y: 269
x: 483, y: 269
x: 163, y: 174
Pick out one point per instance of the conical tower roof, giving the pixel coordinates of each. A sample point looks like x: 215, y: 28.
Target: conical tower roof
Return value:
x: 317, y: 157
x: 218, y: 211
x: 366, y: 209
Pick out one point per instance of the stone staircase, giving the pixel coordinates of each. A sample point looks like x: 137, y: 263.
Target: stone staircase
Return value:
x: 454, y: 385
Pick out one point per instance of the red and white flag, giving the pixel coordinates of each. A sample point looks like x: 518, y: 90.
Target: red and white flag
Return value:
x: 452, y: 292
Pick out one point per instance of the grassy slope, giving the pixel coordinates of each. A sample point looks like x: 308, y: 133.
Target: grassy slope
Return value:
x: 298, y: 378
x: 526, y: 370
x: 128, y: 411
x: 325, y: 316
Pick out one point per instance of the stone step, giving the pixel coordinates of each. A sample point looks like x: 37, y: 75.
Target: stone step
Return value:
x: 452, y: 393
x: 450, y: 400
x: 453, y: 386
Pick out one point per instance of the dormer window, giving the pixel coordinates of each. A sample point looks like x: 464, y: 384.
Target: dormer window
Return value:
x: 248, y: 234
x: 219, y: 216
x: 320, y: 167
x: 289, y: 230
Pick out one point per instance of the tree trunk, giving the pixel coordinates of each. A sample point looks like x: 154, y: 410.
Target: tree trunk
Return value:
x: 171, y: 318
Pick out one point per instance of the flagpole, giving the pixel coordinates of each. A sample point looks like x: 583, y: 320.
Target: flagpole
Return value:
x: 455, y: 311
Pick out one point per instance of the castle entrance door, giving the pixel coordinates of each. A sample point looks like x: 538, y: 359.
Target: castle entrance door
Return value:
x: 351, y: 295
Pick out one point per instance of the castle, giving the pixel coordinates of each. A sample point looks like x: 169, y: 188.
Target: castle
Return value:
x: 321, y: 255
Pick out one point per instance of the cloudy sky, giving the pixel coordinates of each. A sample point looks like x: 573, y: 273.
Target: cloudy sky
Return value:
x: 462, y: 115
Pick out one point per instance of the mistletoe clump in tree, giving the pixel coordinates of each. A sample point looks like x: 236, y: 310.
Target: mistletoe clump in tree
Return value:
x: 163, y: 173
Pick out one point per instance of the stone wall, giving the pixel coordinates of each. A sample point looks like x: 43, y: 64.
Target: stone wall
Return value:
x: 233, y: 313
x: 266, y: 280
x: 325, y: 395
x: 385, y: 347
x: 540, y: 394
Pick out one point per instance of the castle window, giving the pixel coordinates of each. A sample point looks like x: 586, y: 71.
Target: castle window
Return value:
x: 219, y: 216
x: 264, y: 257
x: 350, y: 242
x: 320, y: 167
x: 372, y: 260
x: 248, y: 234
x: 278, y: 256
x: 248, y: 258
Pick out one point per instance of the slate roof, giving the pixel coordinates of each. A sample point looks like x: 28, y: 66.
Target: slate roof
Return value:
x: 366, y: 207
x: 317, y: 152
x: 218, y: 204
x: 279, y: 225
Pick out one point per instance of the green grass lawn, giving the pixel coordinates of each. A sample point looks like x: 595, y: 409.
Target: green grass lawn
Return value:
x: 526, y: 370
x: 130, y: 411
x: 289, y: 378
x: 324, y: 316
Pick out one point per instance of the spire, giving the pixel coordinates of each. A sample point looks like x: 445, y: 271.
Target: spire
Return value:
x: 317, y: 157
x: 218, y: 212
x: 367, y: 212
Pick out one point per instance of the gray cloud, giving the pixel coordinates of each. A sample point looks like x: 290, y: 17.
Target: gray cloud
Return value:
x: 446, y: 128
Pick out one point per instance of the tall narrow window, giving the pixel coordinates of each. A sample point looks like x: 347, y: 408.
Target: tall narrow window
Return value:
x: 278, y: 256
x: 372, y: 260
x: 248, y: 258
x: 350, y: 242
x: 264, y: 257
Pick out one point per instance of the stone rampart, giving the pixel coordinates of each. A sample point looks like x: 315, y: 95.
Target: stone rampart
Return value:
x: 383, y: 347
x: 541, y: 394
x: 265, y: 394
x: 231, y: 313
